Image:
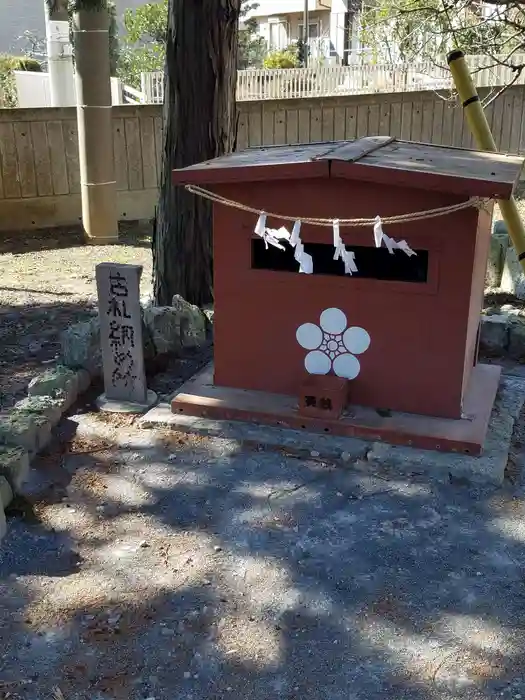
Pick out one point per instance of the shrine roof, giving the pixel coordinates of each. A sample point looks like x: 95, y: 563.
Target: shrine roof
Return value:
x: 376, y: 159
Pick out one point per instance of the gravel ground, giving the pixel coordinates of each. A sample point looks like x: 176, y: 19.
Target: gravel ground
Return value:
x: 48, y: 283
x: 181, y: 568
x: 151, y: 565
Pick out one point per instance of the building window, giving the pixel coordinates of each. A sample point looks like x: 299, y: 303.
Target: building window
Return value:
x: 313, y: 30
x: 278, y: 34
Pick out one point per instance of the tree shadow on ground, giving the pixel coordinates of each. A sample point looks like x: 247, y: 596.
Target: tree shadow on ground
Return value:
x: 131, y: 233
x: 209, y: 571
x: 30, y: 339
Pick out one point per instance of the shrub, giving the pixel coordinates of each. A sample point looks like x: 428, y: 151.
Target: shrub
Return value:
x: 282, y: 59
x: 8, y: 64
x: 26, y: 63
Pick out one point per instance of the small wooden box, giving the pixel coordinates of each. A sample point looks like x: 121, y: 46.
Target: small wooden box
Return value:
x: 323, y: 396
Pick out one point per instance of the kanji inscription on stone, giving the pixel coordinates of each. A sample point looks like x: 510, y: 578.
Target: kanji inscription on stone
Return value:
x: 118, y: 288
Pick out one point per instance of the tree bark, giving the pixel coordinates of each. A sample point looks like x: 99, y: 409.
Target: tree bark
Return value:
x: 200, y: 122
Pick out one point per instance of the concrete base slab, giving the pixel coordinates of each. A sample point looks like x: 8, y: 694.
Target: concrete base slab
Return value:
x: 201, y: 397
x: 486, y: 468
x: 296, y: 442
x: 97, y: 240
x: 112, y: 406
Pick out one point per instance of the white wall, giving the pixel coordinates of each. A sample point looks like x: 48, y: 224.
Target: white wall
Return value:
x: 337, y: 28
x: 34, y: 90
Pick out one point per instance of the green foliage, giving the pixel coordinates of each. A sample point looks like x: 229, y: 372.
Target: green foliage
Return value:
x: 147, y: 24
x: 25, y: 63
x: 141, y: 59
x: 114, y: 46
x: 282, y: 59
x: 8, y: 64
x: 407, y: 30
x: 252, y: 46
x: 301, y: 52
x: 143, y: 48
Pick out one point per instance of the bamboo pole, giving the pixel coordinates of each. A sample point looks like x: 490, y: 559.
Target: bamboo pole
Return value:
x: 477, y: 121
x: 95, y: 129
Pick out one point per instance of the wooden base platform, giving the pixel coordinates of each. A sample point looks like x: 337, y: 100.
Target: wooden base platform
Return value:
x: 200, y: 397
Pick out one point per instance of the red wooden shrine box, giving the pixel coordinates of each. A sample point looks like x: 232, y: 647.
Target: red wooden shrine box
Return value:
x: 401, y: 331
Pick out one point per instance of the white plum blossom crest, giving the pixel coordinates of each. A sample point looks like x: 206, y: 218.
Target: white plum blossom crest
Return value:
x: 332, y: 345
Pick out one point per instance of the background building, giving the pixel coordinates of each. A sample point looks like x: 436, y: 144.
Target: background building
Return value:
x: 332, y: 26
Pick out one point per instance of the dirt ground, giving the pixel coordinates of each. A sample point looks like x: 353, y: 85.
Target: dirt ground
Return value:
x: 152, y: 566
x: 47, y: 283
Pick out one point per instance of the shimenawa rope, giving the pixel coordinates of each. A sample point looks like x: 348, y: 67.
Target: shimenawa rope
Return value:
x: 477, y: 202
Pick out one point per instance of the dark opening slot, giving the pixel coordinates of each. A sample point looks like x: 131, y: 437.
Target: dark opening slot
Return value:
x: 372, y: 263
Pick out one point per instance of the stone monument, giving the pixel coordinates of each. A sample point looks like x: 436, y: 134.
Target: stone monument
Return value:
x: 125, y: 388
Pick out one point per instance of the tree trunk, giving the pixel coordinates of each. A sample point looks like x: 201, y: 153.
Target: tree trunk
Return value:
x: 200, y: 123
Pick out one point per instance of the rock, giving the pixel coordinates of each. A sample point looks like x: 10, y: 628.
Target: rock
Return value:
x: 30, y: 431
x: 500, y: 228
x: 494, y: 334
x: 164, y: 327
x: 498, y: 249
x: 513, y: 277
x: 510, y: 310
x: 81, y: 349
x: 80, y: 345
x: 14, y: 466
x: 47, y: 406
x: 54, y: 382
x: 517, y: 339
x: 193, y: 323
x: 6, y: 493
x: 34, y: 347
x: 83, y: 380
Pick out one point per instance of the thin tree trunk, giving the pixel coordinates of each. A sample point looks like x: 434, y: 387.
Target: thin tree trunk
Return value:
x: 200, y: 121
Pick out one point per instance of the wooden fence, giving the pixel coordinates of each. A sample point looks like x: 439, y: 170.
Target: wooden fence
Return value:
x: 39, y: 171
x: 413, y: 116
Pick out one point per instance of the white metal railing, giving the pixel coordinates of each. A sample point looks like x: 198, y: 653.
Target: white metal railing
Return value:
x: 152, y: 87
x: 360, y: 78
x: 132, y: 96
